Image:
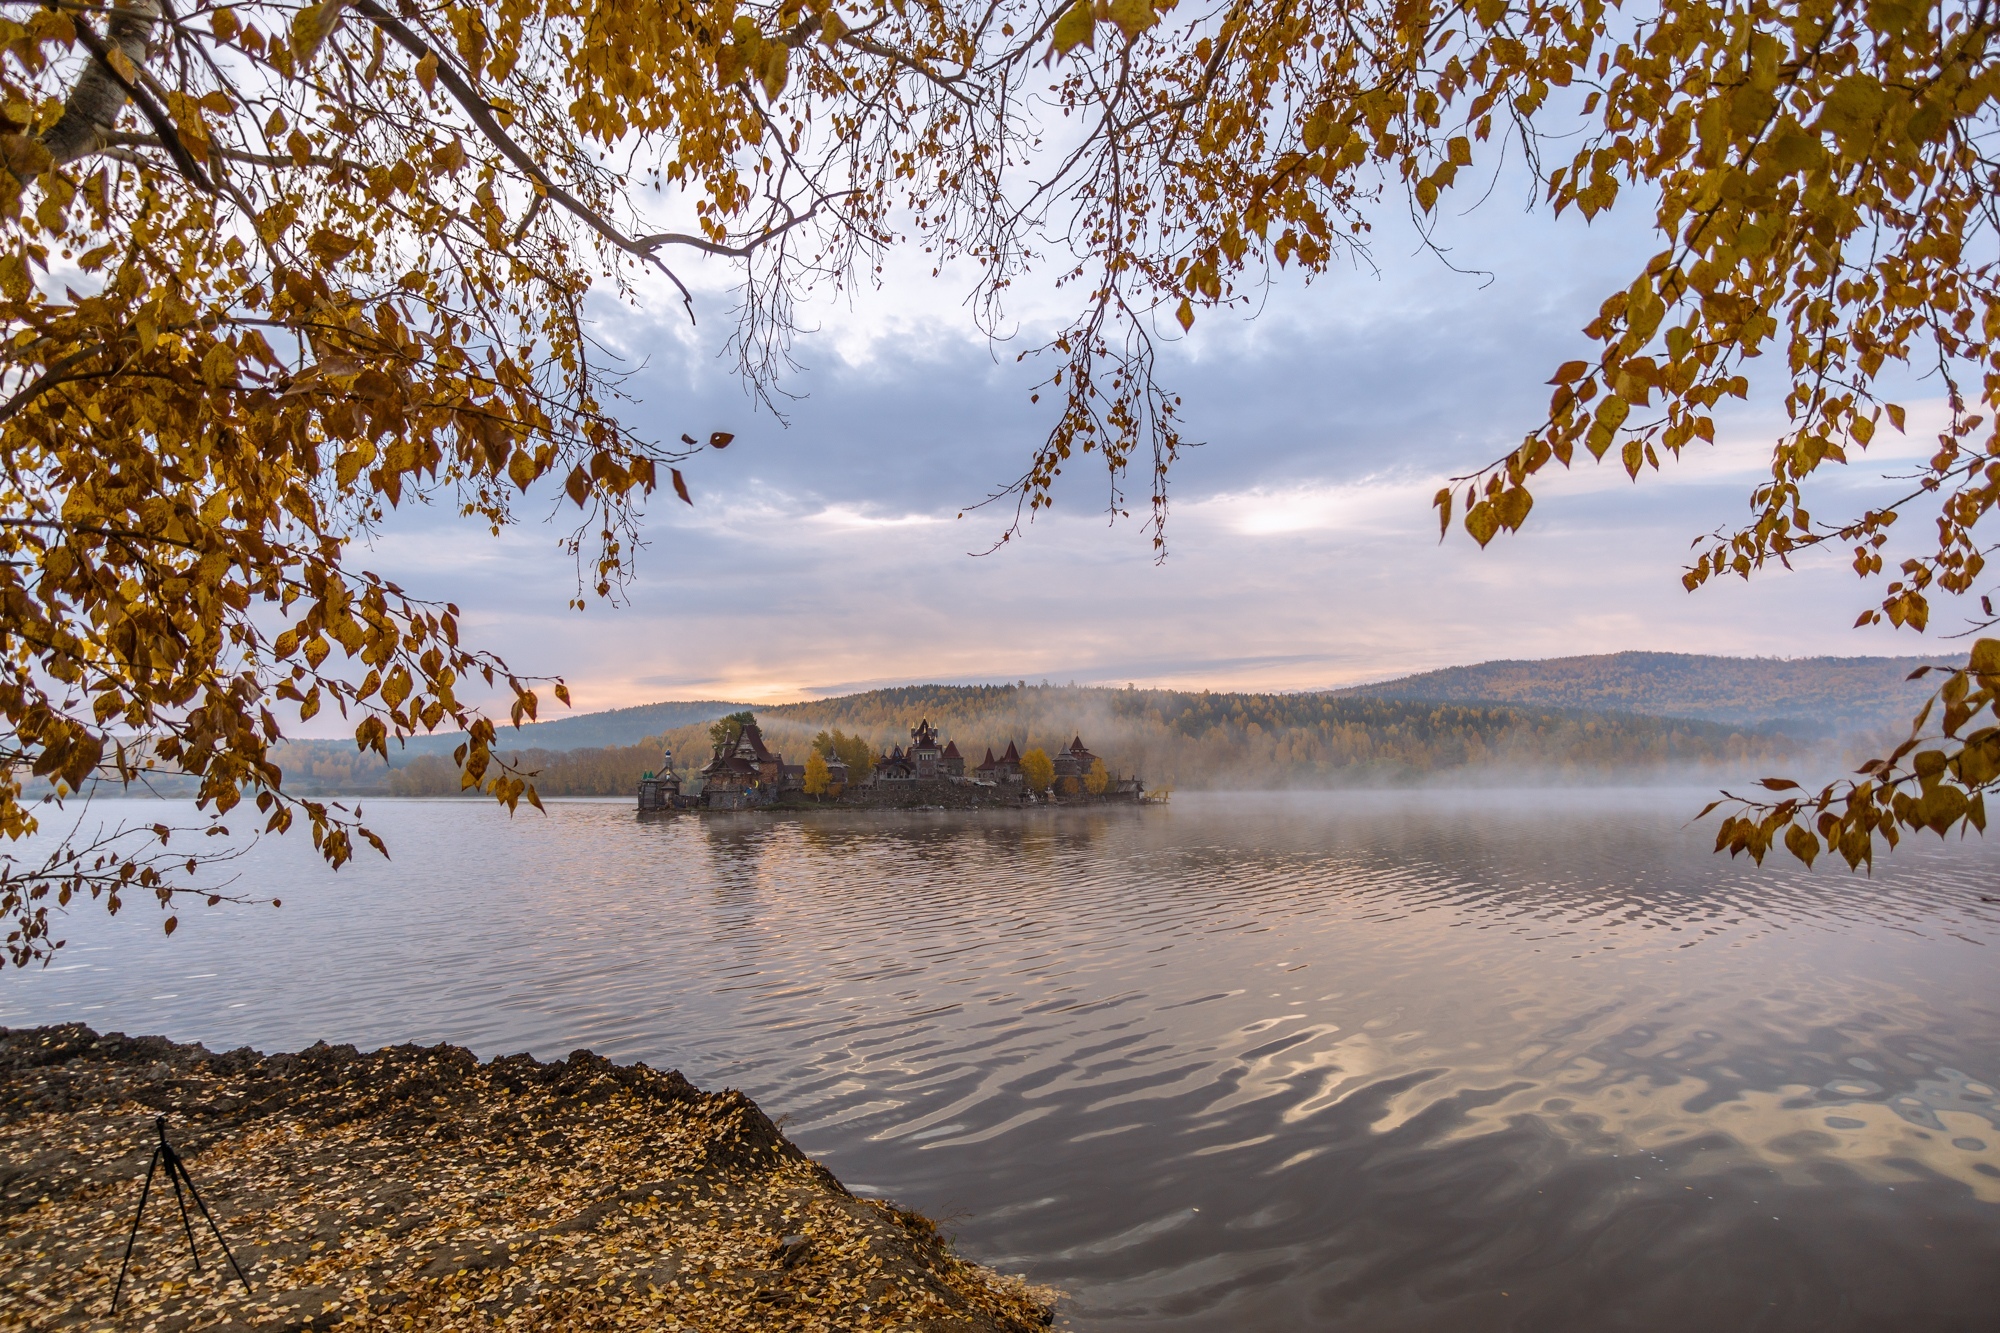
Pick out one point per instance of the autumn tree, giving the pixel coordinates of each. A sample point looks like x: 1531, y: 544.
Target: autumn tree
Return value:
x: 818, y: 776
x: 724, y: 732
x: 1038, y: 770
x: 854, y: 751
x: 1098, y: 780
x: 269, y: 271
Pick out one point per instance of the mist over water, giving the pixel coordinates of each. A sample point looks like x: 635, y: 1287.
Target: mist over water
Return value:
x: 1366, y: 1060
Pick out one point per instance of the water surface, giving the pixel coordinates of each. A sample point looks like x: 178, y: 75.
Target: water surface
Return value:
x: 1343, y: 1061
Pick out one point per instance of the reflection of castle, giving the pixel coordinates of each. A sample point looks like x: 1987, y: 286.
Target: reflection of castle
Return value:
x: 744, y: 773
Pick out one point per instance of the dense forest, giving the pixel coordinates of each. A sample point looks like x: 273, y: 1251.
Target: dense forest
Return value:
x: 1559, y: 720
x: 1810, y: 696
x: 1188, y: 740
x: 613, y: 728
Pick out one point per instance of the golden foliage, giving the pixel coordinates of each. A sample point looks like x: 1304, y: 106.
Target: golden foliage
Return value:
x: 818, y: 776
x: 854, y: 751
x: 1037, y: 769
x: 1192, y: 740
x: 267, y: 271
x: 1935, y: 780
x: 1203, y: 739
x: 665, y: 1208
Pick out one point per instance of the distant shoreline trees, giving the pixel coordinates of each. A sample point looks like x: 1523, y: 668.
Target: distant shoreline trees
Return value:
x: 1196, y: 741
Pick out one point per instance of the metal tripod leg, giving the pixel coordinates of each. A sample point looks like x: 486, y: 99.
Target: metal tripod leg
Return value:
x: 174, y: 1173
x: 177, y: 1176
x: 133, y: 1238
x: 210, y: 1219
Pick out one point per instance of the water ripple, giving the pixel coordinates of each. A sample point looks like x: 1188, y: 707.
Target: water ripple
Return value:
x: 1342, y: 1060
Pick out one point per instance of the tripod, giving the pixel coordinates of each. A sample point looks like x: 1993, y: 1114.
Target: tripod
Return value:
x: 177, y: 1175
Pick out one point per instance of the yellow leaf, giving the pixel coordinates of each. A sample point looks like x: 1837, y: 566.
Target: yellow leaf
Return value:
x: 1482, y: 522
x: 521, y: 468
x: 1132, y: 17
x: 773, y: 73
x: 1074, y: 28
x: 1853, y: 105
x: 312, y: 25
x: 1512, y: 507
x: 330, y: 246
x: 1802, y: 844
x: 1986, y: 657
x: 218, y: 368
x: 1185, y: 315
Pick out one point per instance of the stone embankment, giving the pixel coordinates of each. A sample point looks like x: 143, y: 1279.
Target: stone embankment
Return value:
x: 416, y: 1188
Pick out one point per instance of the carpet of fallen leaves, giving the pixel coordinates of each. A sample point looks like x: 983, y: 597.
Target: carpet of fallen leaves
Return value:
x: 416, y: 1188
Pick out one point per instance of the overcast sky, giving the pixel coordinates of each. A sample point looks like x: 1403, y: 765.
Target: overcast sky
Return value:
x: 827, y: 555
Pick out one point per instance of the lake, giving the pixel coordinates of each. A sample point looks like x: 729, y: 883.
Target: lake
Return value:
x: 1373, y: 1061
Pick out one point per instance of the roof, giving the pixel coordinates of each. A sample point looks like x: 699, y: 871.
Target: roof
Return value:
x: 753, y: 734
x: 951, y: 750
x: 990, y: 761
x: 1012, y: 756
x: 1076, y: 745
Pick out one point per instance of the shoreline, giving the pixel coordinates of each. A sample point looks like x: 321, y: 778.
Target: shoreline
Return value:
x: 420, y: 1188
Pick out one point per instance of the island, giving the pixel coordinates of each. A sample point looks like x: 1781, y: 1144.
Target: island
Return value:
x: 745, y: 773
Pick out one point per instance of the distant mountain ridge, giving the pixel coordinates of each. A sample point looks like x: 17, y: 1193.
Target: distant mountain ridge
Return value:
x: 1805, y: 696
x: 1180, y: 738
x: 616, y: 726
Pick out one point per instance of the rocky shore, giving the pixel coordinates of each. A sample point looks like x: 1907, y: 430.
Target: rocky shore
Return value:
x: 416, y: 1188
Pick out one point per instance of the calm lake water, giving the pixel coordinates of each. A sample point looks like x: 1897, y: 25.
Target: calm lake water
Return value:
x: 1344, y: 1061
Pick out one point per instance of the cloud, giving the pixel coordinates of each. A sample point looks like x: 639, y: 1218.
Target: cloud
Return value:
x: 834, y: 551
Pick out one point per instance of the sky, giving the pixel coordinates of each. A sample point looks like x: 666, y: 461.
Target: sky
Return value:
x: 832, y: 552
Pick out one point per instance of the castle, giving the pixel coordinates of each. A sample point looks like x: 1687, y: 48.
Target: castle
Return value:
x: 744, y: 773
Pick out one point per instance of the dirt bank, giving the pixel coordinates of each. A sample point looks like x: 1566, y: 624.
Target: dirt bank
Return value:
x: 416, y: 1188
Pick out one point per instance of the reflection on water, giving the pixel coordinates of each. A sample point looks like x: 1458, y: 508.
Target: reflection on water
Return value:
x: 1344, y: 1061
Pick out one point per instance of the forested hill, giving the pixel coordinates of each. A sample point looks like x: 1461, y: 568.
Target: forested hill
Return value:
x: 1806, y: 696
x: 618, y: 726
x: 1188, y: 740
x: 1623, y: 712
